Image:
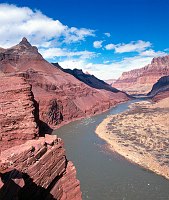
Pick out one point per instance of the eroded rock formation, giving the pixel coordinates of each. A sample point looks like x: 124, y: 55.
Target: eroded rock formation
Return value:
x: 38, y: 169
x: 31, y: 167
x: 18, y: 114
x: 61, y: 96
x: 140, y: 81
x: 160, y: 89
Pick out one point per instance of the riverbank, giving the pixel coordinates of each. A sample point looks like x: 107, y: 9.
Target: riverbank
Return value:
x: 140, y: 135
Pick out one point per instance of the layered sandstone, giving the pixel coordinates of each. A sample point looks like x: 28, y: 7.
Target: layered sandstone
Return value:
x: 18, y: 115
x: 140, y: 81
x: 61, y: 96
x: 39, y: 170
x: 31, y: 167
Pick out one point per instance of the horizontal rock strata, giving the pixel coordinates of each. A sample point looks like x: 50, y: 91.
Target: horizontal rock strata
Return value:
x: 31, y: 167
x: 39, y: 170
x: 140, y: 81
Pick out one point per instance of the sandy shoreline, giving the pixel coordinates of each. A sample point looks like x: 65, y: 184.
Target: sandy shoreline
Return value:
x: 141, y: 135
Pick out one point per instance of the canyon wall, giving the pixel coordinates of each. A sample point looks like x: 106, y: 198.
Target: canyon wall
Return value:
x: 61, y: 96
x: 31, y: 167
x: 140, y: 81
x: 160, y: 89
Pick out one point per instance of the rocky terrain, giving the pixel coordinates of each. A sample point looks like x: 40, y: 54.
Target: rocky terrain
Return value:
x: 140, y: 81
x: 160, y: 90
x: 61, y: 96
x: 141, y: 135
x: 16, y: 106
x: 31, y: 167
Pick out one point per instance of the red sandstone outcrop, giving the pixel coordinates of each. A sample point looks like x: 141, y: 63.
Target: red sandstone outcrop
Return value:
x: 140, y: 81
x: 31, y: 167
x: 38, y: 169
x: 61, y: 96
x: 17, y: 112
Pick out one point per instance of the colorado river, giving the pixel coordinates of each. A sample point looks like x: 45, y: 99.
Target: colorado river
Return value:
x: 103, y: 174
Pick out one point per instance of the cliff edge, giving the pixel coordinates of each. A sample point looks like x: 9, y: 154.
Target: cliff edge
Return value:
x: 31, y: 167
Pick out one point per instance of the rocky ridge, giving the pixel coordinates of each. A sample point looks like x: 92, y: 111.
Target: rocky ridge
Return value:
x: 160, y: 89
x: 140, y: 81
x: 61, y: 96
x: 88, y: 79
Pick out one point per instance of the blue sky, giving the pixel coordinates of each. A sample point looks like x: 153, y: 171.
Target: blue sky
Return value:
x: 103, y: 37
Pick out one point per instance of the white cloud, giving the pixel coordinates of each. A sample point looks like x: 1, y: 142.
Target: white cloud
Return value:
x: 107, y: 34
x: 134, y: 46
x: 110, y: 46
x: 74, y: 35
x: 52, y: 53
x: 152, y: 53
x: 17, y: 22
x: 97, y: 44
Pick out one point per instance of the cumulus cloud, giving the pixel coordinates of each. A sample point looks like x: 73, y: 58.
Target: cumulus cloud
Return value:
x: 52, y: 53
x: 97, y: 44
x: 133, y: 46
x: 17, y: 22
x: 152, y: 53
x: 110, y: 46
x: 107, y: 34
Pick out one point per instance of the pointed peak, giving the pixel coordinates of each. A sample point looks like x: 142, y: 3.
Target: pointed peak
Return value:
x: 24, y: 41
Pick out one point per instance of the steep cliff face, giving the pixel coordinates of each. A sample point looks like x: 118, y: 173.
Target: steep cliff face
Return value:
x: 140, y: 81
x: 18, y: 115
x: 160, y: 89
x: 61, y: 96
x: 31, y: 167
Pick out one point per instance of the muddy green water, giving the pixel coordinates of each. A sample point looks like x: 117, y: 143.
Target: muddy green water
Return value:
x: 103, y: 174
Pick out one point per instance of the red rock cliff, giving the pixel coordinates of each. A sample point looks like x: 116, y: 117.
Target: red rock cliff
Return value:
x: 31, y: 167
x: 140, y: 81
x: 61, y: 96
x: 17, y: 112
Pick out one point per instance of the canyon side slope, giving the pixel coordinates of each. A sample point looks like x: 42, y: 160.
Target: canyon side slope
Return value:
x: 31, y: 167
x: 140, y: 81
x: 61, y: 96
x: 160, y: 89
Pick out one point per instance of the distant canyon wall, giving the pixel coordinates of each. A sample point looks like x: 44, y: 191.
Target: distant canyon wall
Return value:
x: 140, y: 81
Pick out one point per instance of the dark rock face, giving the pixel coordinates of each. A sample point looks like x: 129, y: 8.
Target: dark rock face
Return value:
x: 140, y: 81
x: 61, y: 96
x: 88, y: 79
x: 31, y: 167
x: 160, y: 89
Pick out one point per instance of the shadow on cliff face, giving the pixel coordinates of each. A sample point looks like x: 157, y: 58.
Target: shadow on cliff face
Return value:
x: 44, y: 128
x: 15, y: 185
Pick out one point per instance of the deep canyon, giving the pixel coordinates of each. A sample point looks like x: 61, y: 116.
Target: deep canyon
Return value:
x: 37, y: 97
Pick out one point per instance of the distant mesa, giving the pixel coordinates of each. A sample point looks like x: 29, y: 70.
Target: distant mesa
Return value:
x: 140, y: 81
